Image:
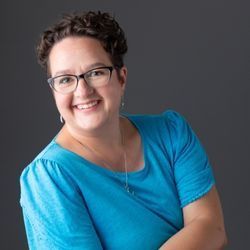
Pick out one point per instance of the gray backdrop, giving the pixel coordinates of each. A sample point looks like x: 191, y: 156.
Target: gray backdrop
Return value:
x: 191, y: 56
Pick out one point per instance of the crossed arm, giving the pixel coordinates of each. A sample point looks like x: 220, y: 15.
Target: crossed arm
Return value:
x: 203, y: 226
x: 49, y: 224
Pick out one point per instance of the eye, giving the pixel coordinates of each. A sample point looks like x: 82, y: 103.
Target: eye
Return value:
x: 96, y: 73
x: 65, y: 80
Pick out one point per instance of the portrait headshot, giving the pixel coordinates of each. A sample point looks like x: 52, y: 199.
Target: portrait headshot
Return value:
x: 125, y: 125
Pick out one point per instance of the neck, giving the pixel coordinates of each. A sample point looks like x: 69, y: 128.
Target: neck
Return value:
x: 108, y: 139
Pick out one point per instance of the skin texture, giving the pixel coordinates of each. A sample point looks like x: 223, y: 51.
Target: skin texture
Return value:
x: 203, y: 226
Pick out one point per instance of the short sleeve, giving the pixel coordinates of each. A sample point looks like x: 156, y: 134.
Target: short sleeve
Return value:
x: 54, y: 211
x: 192, y: 171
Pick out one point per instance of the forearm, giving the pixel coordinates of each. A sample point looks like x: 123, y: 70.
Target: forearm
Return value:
x: 199, y: 234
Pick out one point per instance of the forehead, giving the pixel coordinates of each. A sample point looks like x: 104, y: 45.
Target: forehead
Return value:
x: 77, y: 54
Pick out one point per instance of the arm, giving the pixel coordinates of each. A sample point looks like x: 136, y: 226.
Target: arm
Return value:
x: 203, y: 226
x: 55, y: 213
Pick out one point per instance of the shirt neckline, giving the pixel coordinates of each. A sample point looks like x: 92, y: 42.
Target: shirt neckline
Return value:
x: 137, y: 173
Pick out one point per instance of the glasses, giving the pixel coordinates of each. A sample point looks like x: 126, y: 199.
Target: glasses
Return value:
x: 68, y: 83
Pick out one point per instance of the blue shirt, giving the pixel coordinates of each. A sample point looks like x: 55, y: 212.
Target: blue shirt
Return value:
x: 70, y: 203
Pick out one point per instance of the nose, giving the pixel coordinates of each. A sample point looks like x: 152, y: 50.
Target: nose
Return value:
x: 83, y: 89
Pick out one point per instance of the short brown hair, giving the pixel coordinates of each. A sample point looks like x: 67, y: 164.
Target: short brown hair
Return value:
x: 100, y: 26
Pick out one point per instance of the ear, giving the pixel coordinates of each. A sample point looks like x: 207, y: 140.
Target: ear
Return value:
x: 122, y: 75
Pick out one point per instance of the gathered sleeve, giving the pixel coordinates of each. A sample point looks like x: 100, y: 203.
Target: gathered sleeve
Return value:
x: 54, y: 211
x: 192, y: 171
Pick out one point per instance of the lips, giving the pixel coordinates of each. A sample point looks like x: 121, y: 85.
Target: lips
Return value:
x: 88, y: 105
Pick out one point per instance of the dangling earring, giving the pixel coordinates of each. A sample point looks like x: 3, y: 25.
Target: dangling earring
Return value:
x: 122, y: 103
x: 61, y: 119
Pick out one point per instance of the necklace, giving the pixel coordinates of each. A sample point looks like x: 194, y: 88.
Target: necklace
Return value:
x: 93, y: 151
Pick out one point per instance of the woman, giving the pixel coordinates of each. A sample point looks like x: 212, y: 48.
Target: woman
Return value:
x: 112, y: 181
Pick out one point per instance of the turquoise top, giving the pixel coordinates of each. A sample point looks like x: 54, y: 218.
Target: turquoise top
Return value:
x: 71, y: 203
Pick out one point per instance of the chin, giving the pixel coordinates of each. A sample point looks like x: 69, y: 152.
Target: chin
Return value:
x: 91, y: 123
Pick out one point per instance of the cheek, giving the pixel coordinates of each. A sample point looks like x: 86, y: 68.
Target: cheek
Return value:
x: 62, y: 101
x: 115, y: 97
x: 114, y: 92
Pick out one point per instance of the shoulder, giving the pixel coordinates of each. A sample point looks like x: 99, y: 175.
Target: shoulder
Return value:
x: 41, y: 172
x: 41, y: 160
x: 53, y: 156
x: 39, y: 167
x: 177, y: 125
x: 44, y: 178
x: 167, y: 115
x: 47, y: 167
x: 168, y: 121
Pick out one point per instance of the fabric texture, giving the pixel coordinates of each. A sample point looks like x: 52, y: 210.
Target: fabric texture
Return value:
x: 70, y: 203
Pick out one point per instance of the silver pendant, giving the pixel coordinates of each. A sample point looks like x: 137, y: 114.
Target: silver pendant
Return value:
x: 127, y: 188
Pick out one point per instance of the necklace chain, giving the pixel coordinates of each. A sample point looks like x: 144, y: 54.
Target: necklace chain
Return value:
x: 91, y: 150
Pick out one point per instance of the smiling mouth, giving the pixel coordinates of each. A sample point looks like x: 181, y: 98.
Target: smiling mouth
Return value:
x: 87, y: 105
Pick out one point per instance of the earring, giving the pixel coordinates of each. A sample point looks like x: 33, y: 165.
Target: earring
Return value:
x: 61, y: 119
x: 122, y: 103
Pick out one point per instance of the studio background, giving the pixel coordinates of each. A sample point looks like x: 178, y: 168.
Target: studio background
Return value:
x: 190, y: 56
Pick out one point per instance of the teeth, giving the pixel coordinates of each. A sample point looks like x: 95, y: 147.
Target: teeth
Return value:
x: 86, y: 106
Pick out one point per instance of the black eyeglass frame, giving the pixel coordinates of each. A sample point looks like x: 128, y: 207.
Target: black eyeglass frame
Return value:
x: 78, y: 77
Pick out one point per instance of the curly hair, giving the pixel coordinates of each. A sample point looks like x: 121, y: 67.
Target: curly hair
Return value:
x: 100, y: 26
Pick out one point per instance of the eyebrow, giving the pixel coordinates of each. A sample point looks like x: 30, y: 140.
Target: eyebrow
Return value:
x: 89, y: 67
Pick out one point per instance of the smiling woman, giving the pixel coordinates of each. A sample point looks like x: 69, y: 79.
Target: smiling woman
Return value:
x: 110, y: 180
x: 91, y: 101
